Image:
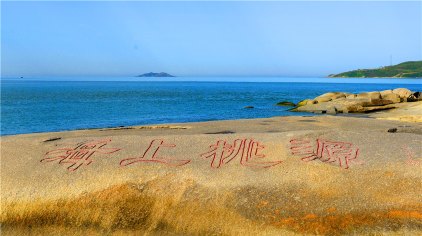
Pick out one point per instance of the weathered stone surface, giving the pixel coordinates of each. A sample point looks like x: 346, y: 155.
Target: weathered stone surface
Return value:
x: 370, y: 95
x: 402, y: 92
x: 377, y: 102
x: 379, y: 108
x: 329, y: 97
x: 332, y: 110
x: 304, y: 102
x: 375, y: 95
x: 342, y: 108
x: 394, y: 98
x: 322, y: 99
x: 386, y: 92
x: 339, y: 95
x: 354, y: 109
x: 326, y: 95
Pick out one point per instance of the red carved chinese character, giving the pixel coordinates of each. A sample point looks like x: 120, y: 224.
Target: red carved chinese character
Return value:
x: 151, y: 155
x: 246, y: 149
x: 327, y: 151
x: 79, y: 155
x: 304, y: 148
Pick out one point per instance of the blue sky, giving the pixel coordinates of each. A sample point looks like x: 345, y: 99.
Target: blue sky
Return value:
x: 206, y: 38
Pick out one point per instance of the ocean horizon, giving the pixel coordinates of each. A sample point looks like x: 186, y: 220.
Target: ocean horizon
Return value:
x: 58, y: 104
x: 255, y: 79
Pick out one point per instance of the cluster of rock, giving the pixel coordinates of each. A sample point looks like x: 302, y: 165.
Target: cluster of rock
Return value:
x: 338, y: 102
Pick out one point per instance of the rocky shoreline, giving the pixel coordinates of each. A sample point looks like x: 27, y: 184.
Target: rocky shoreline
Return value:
x: 339, y: 102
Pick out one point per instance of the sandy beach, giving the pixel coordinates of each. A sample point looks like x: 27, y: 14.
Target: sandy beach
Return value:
x: 327, y: 175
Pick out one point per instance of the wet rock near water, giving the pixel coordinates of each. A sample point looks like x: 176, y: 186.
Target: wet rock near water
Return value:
x: 339, y: 102
x: 286, y: 103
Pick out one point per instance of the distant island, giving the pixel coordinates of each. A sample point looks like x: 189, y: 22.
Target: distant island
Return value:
x: 152, y: 74
x: 410, y: 69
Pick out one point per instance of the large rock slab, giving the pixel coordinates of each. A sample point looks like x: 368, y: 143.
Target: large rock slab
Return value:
x: 402, y: 92
x: 393, y: 97
x: 386, y: 92
x: 296, y: 176
x: 370, y: 95
x: 329, y: 97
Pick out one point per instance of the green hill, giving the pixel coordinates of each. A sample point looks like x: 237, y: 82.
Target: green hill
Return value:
x: 410, y: 69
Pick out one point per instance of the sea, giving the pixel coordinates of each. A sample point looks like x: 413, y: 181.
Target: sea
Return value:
x: 58, y: 104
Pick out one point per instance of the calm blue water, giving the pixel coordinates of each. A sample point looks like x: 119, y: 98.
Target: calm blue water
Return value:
x: 40, y: 106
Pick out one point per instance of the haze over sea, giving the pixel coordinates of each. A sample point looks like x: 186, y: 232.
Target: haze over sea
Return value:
x: 49, y: 104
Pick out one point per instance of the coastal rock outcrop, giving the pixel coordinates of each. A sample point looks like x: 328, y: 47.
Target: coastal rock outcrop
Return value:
x: 402, y: 92
x: 304, y: 102
x: 329, y: 97
x: 339, y: 102
x: 416, y: 96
